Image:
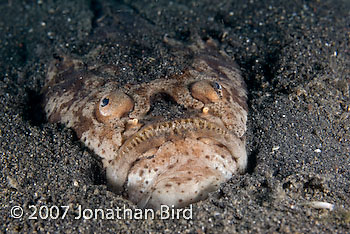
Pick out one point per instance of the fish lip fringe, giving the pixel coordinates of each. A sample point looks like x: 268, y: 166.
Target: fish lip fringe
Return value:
x: 154, y: 135
x: 175, y: 129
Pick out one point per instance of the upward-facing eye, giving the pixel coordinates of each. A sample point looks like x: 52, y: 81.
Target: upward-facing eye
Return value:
x: 207, y: 91
x: 113, y: 105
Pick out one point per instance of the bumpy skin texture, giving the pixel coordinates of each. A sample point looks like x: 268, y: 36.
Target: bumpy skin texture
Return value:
x: 157, y: 160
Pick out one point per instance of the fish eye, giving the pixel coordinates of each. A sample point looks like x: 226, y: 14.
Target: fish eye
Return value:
x: 218, y: 88
x: 206, y: 91
x: 114, y: 105
x: 104, y: 102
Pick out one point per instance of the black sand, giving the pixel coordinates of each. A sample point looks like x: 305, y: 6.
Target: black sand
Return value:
x: 295, y: 58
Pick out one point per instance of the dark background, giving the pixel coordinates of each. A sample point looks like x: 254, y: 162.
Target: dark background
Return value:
x: 294, y: 56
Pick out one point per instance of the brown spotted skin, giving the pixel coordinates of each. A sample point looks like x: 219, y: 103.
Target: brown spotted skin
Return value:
x: 157, y: 159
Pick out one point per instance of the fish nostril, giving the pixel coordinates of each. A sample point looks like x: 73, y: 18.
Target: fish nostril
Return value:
x: 164, y: 105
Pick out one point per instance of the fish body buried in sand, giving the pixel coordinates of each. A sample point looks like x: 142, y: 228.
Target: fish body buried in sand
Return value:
x: 156, y: 159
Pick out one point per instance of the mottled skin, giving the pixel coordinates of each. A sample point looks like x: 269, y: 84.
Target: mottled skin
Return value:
x: 157, y: 159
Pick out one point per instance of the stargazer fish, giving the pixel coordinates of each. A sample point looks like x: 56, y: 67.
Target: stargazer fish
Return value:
x: 154, y: 159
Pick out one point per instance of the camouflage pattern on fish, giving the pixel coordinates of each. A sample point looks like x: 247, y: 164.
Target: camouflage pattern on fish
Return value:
x: 172, y: 159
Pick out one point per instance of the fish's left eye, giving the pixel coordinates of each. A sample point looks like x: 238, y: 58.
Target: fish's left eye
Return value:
x: 113, y: 105
x: 104, y: 102
x: 207, y: 91
x: 218, y: 88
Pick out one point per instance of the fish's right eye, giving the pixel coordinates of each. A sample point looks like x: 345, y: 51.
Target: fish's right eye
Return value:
x: 114, y: 105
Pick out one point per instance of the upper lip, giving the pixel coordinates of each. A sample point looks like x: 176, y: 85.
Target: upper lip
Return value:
x: 177, y: 127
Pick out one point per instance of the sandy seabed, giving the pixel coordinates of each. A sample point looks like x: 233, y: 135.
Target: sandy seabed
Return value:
x: 295, y: 59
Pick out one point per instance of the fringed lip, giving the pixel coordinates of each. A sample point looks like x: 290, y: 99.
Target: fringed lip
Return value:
x: 154, y: 135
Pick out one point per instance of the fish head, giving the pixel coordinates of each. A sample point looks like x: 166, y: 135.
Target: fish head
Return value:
x: 184, y: 136
x: 171, y: 140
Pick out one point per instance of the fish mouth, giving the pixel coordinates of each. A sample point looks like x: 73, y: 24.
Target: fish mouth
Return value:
x: 155, y: 135
x: 178, y: 128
